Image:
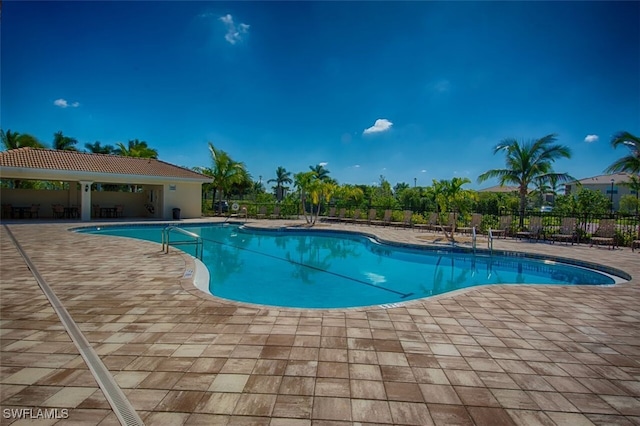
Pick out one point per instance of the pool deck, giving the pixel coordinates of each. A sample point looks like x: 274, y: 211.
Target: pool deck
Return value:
x: 497, y: 355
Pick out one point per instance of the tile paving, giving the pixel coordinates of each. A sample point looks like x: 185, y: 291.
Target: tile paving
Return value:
x: 494, y: 355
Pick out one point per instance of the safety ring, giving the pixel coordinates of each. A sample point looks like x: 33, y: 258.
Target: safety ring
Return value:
x: 235, y: 207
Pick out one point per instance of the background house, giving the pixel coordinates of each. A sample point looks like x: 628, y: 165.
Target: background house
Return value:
x: 609, y: 185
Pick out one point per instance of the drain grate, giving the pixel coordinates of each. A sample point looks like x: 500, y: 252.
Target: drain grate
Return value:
x: 117, y: 399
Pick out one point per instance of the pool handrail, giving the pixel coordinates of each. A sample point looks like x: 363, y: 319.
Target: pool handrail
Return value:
x: 473, y: 238
x: 166, y: 240
x: 490, y: 241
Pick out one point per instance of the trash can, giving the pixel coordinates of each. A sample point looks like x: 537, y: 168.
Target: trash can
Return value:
x: 176, y: 214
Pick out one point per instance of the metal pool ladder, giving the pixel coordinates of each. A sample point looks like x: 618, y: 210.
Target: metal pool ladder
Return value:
x: 490, y: 241
x: 166, y: 240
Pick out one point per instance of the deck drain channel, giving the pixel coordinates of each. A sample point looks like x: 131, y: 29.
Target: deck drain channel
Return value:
x: 117, y: 399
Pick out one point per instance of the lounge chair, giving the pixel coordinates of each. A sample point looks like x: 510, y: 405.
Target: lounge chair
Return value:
x: 262, y: 212
x: 58, y: 211
x: 332, y: 215
x: 476, y: 220
x: 341, y: 215
x: 407, y: 219
x: 371, y: 216
x: 276, y: 212
x: 119, y: 210
x: 567, y: 231
x: 385, y: 220
x: 605, y: 234
x: 634, y: 244
x: 533, y: 231
x: 449, y: 225
x: 504, y: 227
x: 356, y: 216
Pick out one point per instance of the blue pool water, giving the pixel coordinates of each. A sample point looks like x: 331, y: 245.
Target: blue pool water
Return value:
x: 318, y: 269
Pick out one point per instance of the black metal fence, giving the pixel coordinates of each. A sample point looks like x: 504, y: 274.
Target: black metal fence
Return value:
x: 627, y: 227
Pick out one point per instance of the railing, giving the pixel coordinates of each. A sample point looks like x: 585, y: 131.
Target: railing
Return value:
x: 474, y: 238
x: 490, y: 240
x: 166, y: 240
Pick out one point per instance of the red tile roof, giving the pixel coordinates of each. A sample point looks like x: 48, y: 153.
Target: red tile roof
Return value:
x: 49, y: 159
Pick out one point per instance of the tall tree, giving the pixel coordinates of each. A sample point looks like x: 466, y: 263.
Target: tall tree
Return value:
x: 629, y: 163
x: 98, y: 148
x: 320, y: 171
x: 14, y: 140
x: 135, y: 148
x: 64, y: 143
x: 282, y: 177
x: 225, y: 172
x: 526, y: 162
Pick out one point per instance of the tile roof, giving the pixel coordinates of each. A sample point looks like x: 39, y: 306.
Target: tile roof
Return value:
x: 49, y: 159
x: 500, y: 188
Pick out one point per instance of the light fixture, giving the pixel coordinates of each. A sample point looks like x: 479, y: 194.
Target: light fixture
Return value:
x: 86, y: 188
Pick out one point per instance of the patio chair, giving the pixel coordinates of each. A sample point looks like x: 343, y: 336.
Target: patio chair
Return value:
x: 96, y: 210
x: 605, y: 234
x: 119, y: 210
x: 476, y: 220
x: 58, y: 211
x: 6, y: 211
x: 341, y: 214
x: 33, y: 211
x: 432, y: 222
x: 567, y: 231
x: 534, y: 229
x: 504, y: 227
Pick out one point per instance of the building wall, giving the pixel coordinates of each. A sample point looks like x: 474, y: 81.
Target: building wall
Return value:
x: 185, y: 196
x: 618, y: 191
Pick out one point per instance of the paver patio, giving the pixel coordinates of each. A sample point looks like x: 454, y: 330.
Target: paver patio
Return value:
x: 494, y: 355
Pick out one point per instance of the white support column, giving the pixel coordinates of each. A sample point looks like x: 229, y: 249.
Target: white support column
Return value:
x: 85, y: 203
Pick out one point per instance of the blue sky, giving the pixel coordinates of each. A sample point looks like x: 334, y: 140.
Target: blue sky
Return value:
x: 407, y: 90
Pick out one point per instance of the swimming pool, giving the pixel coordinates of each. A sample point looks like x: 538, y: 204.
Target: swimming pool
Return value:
x: 329, y: 269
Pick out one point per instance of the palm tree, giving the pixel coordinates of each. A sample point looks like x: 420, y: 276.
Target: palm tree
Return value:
x: 135, y: 148
x: 282, y: 177
x: 314, y: 190
x: 225, y: 172
x: 97, y: 148
x: 634, y: 186
x: 64, y: 143
x: 631, y: 162
x: 320, y: 171
x: 526, y: 162
x: 206, y: 187
x: 14, y: 140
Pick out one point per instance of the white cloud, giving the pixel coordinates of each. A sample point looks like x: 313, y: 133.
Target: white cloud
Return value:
x: 323, y: 164
x: 62, y: 103
x: 357, y: 166
x: 381, y: 125
x: 423, y: 171
x: 234, y: 33
x: 591, y: 138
